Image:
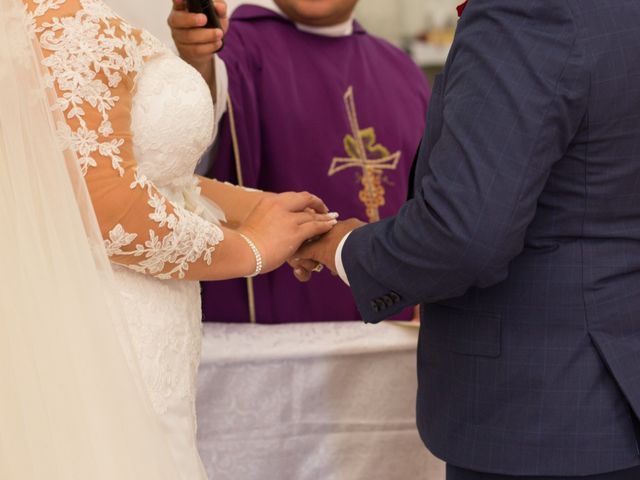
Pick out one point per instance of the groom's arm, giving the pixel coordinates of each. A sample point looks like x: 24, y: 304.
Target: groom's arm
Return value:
x: 514, y: 96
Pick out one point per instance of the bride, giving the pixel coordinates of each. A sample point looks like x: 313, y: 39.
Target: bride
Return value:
x: 136, y: 119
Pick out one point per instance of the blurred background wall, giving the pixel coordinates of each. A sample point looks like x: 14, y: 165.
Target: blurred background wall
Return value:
x: 397, y: 20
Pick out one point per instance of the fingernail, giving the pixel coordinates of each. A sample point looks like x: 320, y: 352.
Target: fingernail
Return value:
x: 333, y: 222
x: 202, y: 19
x: 298, y: 271
x: 333, y: 214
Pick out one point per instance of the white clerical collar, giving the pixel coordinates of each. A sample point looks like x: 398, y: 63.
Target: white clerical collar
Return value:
x: 341, y: 30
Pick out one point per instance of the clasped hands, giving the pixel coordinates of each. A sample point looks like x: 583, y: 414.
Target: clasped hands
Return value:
x: 321, y: 251
x: 296, y: 227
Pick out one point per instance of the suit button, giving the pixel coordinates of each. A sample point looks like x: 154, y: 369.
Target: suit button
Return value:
x: 374, y: 306
x: 388, y: 300
x: 395, y: 297
x: 381, y: 304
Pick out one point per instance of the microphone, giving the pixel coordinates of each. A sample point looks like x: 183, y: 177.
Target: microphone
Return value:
x: 206, y: 7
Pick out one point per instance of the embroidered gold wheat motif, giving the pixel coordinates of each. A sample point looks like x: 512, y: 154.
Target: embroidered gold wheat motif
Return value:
x: 373, y: 158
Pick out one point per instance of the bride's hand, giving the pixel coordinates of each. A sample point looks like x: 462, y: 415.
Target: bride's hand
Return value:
x: 279, y: 224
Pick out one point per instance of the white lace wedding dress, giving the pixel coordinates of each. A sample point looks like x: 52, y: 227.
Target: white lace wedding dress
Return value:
x: 139, y: 119
x: 172, y: 125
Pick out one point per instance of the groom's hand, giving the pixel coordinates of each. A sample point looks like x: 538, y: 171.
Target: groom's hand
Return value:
x: 322, y: 251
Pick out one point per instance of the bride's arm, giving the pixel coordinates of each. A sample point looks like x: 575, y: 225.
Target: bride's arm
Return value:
x: 236, y: 202
x: 142, y: 229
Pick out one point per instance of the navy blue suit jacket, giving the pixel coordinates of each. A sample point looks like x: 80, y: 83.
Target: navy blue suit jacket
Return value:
x: 522, y: 242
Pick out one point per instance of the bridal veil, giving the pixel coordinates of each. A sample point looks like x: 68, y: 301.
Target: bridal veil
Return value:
x: 72, y: 405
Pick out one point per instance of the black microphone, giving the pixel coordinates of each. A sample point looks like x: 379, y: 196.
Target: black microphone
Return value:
x: 206, y: 7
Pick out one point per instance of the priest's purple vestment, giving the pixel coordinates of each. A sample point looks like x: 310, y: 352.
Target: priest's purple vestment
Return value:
x: 340, y: 117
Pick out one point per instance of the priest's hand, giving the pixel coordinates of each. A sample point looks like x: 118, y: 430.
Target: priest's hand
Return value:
x: 197, y: 45
x: 321, y: 251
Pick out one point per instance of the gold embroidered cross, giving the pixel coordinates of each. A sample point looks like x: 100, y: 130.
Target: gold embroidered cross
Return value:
x: 373, y: 158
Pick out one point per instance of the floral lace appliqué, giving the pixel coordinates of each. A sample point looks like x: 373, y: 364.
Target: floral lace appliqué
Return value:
x: 188, y: 243
x: 88, y: 55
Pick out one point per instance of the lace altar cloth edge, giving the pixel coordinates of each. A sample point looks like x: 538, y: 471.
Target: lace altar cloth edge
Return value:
x: 238, y: 343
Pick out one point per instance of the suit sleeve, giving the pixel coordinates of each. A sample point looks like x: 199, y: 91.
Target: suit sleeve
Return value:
x: 514, y: 97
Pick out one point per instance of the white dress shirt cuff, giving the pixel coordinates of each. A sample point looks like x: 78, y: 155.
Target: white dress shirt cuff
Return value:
x: 339, y: 265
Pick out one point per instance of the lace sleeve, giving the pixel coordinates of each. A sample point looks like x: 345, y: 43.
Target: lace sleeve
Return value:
x: 93, y: 58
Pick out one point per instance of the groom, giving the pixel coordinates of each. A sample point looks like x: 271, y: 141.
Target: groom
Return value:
x: 522, y: 242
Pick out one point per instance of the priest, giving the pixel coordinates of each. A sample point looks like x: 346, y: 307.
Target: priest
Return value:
x: 313, y: 102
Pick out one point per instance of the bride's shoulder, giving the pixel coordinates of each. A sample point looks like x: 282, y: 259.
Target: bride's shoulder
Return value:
x: 47, y: 10
x: 91, y: 19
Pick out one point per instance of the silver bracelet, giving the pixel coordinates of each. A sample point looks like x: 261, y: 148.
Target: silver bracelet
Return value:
x: 257, y: 254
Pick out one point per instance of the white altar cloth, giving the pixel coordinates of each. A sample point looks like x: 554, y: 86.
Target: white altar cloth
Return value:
x: 331, y: 401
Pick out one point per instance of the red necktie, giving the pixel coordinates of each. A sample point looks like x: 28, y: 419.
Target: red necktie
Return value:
x: 462, y: 7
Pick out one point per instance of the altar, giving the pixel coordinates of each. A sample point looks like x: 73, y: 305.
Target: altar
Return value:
x: 330, y: 401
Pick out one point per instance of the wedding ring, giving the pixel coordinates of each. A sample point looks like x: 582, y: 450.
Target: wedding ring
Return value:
x: 319, y: 268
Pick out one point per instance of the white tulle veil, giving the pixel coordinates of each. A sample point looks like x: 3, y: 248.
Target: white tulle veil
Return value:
x: 72, y: 406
